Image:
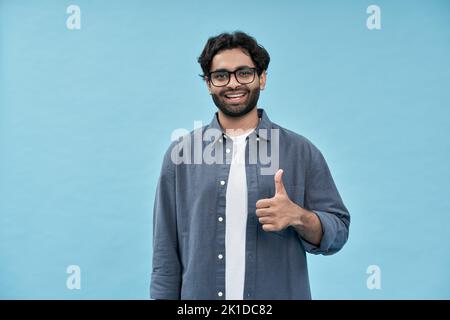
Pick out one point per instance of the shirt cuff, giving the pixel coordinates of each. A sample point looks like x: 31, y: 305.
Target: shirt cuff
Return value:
x: 328, y: 236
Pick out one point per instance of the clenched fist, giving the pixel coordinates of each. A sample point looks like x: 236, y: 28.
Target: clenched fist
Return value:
x: 279, y: 212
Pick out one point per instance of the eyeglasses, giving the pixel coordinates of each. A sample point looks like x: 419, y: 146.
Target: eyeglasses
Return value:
x: 222, y: 77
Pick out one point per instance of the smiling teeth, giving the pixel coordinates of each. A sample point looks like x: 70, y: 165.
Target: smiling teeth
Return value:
x: 235, y: 95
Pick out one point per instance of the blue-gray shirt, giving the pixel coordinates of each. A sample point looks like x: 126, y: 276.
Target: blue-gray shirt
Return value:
x: 189, y: 214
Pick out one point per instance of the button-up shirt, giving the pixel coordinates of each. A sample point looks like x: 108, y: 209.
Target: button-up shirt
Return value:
x: 189, y: 214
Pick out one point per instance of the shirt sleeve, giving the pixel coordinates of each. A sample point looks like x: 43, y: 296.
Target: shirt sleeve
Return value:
x: 166, y: 269
x: 322, y: 198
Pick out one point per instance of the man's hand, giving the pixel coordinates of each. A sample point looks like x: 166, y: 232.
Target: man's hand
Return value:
x: 279, y: 212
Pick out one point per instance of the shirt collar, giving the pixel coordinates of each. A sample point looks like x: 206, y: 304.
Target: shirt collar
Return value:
x: 262, y: 130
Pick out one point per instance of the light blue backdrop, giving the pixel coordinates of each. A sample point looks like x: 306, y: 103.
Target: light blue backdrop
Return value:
x: 85, y: 116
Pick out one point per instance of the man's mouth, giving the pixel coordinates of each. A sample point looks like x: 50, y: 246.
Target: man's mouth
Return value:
x: 235, y: 97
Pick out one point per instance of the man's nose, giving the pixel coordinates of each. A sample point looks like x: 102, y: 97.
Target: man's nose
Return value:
x: 233, y: 82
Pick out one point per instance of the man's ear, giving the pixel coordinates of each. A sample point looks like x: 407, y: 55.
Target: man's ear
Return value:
x: 262, y: 80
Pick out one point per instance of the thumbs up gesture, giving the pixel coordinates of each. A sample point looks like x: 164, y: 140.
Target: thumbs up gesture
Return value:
x: 278, y: 212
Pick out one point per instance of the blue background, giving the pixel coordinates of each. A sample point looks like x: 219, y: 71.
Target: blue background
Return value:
x: 86, y: 115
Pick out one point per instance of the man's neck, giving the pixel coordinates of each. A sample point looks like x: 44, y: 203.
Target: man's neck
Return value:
x: 239, y: 125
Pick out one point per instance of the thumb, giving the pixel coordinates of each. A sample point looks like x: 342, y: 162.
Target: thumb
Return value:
x: 279, y: 186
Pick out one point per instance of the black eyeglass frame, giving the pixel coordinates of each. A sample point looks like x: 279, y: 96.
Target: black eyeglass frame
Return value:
x: 255, y: 71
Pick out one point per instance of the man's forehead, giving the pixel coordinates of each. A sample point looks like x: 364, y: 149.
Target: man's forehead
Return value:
x: 231, y: 58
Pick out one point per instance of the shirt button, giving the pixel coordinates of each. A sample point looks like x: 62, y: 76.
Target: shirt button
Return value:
x: 222, y: 182
x: 220, y: 140
x: 228, y: 150
x: 220, y: 293
x: 220, y: 219
x: 249, y: 294
x: 220, y: 256
x: 257, y: 138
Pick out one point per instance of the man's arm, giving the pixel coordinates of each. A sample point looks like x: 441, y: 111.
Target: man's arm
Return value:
x: 308, y: 225
x: 324, y: 221
x: 166, y: 270
x: 323, y: 202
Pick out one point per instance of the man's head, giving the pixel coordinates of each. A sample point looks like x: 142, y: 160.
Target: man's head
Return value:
x: 234, y: 68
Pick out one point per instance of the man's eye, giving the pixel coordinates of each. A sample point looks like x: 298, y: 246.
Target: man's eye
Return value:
x: 220, y: 76
x: 245, y: 73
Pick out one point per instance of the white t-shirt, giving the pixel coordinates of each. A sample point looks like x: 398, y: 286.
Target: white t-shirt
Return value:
x: 236, y: 221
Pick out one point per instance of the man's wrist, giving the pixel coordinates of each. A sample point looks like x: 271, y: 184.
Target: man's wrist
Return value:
x: 299, y: 217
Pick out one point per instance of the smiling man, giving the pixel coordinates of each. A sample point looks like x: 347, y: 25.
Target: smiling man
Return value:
x: 225, y: 229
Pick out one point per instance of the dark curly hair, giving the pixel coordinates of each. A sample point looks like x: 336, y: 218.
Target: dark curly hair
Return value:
x: 237, y: 39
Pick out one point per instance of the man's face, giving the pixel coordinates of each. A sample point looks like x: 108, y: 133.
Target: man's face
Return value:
x: 235, y: 99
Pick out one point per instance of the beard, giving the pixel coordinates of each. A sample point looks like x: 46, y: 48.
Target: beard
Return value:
x: 236, y: 109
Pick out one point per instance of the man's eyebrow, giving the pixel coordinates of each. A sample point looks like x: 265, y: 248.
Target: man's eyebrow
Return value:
x: 240, y: 67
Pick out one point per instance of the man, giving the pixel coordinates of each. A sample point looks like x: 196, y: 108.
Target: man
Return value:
x: 228, y: 229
